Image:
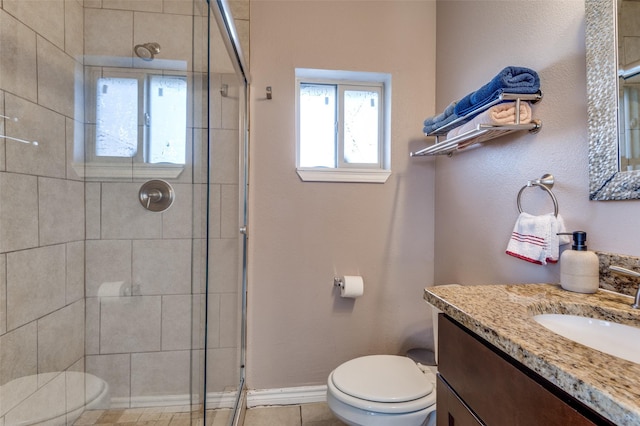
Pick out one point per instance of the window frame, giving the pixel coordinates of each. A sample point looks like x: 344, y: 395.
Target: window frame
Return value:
x: 92, y: 166
x: 343, y: 171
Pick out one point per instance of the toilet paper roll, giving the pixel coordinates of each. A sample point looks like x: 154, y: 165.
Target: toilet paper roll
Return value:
x: 352, y: 286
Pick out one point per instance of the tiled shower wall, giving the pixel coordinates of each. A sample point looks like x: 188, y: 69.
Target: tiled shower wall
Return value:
x: 41, y: 197
x: 141, y: 343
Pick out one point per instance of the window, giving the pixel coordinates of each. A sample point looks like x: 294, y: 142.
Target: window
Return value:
x: 136, y: 125
x: 342, y: 126
x: 164, y: 118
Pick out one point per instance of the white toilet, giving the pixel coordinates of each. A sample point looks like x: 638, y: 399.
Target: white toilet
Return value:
x: 381, y: 390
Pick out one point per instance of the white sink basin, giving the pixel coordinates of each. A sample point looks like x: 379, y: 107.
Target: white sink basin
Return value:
x: 612, y: 338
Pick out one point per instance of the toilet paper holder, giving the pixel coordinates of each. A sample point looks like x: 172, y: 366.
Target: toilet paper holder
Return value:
x: 338, y: 282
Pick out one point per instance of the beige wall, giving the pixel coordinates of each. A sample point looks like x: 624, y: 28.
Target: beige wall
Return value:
x: 476, y: 191
x: 302, y: 234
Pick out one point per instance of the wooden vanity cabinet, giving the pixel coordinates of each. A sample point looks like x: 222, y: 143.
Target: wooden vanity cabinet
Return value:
x: 480, y: 385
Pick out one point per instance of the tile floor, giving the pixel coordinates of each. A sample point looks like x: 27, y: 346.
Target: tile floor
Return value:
x: 316, y: 414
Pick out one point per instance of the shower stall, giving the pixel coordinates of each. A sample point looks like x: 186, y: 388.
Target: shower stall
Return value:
x: 123, y: 154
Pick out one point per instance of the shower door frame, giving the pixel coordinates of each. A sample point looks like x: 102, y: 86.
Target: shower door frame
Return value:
x: 222, y: 14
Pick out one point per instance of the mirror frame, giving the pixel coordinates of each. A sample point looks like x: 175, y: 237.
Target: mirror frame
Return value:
x: 606, y: 181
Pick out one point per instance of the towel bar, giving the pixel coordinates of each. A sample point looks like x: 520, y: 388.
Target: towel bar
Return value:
x: 546, y: 183
x: 483, y: 132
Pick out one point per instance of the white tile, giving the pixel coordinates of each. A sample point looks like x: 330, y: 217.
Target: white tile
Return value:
x: 56, y: 78
x: 130, y: 324
x: 107, y: 35
x: 3, y: 294
x: 61, y: 338
x: 213, y: 320
x: 92, y: 199
x: 18, y: 212
x: 243, y: 28
x: 124, y: 217
x: 75, y: 271
x: 180, y: 7
x: 175, y: 44
x: 215, y: 103
x: 74, y: 29
x: 223, y: 368
x: 19, y: 75
x: 224, y: 156
x: 239, y: 9
x: 223, y: 266
x: 231, y: 104
x: 143, y: 5
x: 176, y: 322
x: 162, y: 266
x: 198, y: 285
x: 18, y: 352
x: 39, y: 124
x: 200, y: 209
x: 115, y: 370
x: 61, y: 210
x: 45, y: 17
x: 92, y: 326
x: 75, y: 149
x: 2, y: 140
x: 177, y: 221
x: 215, y: 211
x: 229, y: 211
x: 197, y: 328
x: 36, y: 283
x: 229, y: 319
x: 107, y: 261
x: 160, y: 373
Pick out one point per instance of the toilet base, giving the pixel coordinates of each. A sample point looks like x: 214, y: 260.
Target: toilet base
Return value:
x: 358, y: 417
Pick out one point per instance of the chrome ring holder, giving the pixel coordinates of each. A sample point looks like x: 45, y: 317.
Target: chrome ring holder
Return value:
x: 156, y: 195
x: 546, y: 183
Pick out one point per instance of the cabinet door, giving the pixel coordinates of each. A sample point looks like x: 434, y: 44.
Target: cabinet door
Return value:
x: 498, y: 391
x: 451, y: 411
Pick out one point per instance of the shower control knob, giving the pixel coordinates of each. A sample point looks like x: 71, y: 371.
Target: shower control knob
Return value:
x: 156, y: 195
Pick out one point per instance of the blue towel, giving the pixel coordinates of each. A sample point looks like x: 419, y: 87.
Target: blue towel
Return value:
x: 509, y: 80
x: 437, y: 121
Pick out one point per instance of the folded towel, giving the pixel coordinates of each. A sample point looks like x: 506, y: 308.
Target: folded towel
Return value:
x: 535, y: 238
x: 442, y: 119
x: 504, y: 113
x: 509, y: 80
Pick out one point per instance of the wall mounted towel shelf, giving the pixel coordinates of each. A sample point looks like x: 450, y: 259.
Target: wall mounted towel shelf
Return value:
x: 482, y: 132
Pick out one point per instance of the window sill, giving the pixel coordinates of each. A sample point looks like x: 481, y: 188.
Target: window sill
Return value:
x: 128, y: 171
x: 343, y: 175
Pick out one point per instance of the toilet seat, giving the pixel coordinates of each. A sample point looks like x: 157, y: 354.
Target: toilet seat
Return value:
x: 382, y: 383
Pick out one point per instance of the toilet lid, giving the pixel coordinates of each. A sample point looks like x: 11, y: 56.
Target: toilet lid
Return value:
x: 382, y: 378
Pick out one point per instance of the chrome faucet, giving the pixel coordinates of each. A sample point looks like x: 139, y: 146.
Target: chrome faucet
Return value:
x: 629, y: 273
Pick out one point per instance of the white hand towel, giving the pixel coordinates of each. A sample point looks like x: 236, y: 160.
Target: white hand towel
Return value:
x: 535, y: 238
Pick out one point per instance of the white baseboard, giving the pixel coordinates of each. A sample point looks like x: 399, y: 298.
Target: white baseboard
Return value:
x: 214, y: 400
x: 286, y: 396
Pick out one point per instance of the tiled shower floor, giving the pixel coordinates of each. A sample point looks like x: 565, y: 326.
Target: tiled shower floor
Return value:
x: 317, y: 414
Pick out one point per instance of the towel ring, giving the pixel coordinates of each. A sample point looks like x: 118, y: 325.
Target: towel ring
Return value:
x: 546, y: 183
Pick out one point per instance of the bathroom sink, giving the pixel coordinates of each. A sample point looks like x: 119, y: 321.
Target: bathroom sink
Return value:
x: 620, y: 340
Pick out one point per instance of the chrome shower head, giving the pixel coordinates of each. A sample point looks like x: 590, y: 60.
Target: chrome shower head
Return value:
x: 147, y: 51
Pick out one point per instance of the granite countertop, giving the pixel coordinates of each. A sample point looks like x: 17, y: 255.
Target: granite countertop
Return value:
x: 503, y: 316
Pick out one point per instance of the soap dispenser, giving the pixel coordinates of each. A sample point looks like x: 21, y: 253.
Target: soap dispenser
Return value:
x: 579, y: 268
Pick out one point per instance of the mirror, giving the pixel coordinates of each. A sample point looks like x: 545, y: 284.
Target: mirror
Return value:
x: 606, y: 179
